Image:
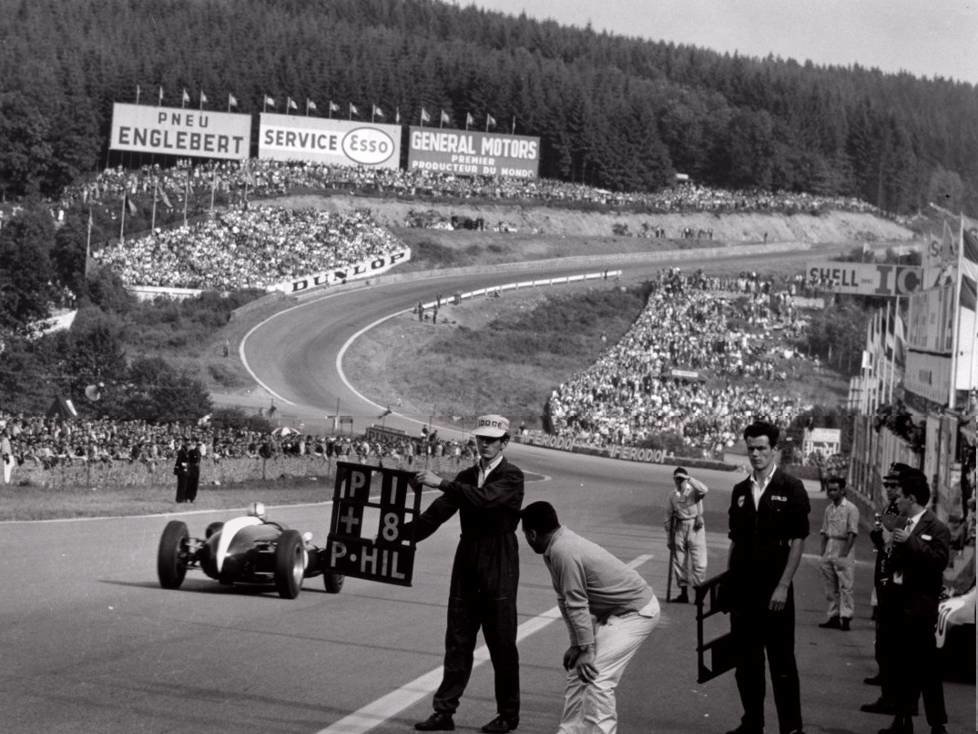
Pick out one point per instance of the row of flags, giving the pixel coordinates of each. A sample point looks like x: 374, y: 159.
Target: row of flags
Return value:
x: 376, y: 113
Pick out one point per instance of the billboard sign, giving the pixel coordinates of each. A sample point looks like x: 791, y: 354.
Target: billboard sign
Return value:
x: 473, y: 153
x: 868, y: 279
x: 175, y: 131
x: 324, y: 140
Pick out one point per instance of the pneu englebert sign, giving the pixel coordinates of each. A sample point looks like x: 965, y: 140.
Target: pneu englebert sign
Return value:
x: 473, y: 153
x: 175, y: 131
x: 333, y: 142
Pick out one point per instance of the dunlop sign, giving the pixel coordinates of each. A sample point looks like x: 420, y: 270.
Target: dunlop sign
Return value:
x: 334, y: 142
x: 370, y: 507
x: 868, y: 279
x: 175, y: 131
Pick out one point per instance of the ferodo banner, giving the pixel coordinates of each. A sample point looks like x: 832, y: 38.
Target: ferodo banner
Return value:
x: 472, y: 153
x: 175, y: 131
x: 334, y: 142
x: 870, y: 279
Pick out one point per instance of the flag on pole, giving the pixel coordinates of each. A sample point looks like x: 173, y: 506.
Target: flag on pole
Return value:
x: 513, y: 131
x: 445, y: 119
x: 290, y: 104
x: 185, y: 99
x: 137, y: 94
x: 353, y: 110
x: 88, y: 244
x: 310, y: 105
x: 203, y: 99
x: 161, y: 95
x: 269, y: 102
x: 397, y: 115
x: 376, y: 112
x: 425, y: 117
x: 490, y: 121
x: 232, y: 102
x: 333, y: 107
x: 469, y: 120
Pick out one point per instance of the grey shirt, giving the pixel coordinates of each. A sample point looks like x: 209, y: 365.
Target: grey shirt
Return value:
x: 591, y: 584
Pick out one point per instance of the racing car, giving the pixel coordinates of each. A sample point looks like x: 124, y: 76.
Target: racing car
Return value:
x: 250, y: 549
x: 955, y: 633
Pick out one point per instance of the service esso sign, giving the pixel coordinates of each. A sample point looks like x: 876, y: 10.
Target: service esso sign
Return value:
x: 368, y: 145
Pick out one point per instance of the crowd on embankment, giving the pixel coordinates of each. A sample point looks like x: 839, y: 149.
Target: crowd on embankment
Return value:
x: 248, y: 247
x: 267, y: 178
x: 701, y: 362
x: 58, y: 453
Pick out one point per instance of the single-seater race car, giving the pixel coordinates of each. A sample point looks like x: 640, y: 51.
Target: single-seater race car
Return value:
x: 249, y: 550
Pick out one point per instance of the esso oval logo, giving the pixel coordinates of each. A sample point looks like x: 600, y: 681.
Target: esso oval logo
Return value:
x: 368, y: 145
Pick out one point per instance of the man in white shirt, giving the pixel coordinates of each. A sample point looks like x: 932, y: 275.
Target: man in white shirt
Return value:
x: 609, y: 611
x: 840, y: 525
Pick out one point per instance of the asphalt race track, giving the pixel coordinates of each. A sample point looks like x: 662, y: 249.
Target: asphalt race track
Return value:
x: 91, y: 643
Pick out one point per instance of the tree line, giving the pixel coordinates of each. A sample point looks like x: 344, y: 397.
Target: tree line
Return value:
x: 614, y: 112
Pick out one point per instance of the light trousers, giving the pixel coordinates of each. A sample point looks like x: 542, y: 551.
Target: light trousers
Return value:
x: 838, y: 576
x: 689, y: 560
x: 589, y: 708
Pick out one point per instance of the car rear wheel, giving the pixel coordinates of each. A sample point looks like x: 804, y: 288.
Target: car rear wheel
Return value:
x: 171, y: 557
x: 333, y: 582
x: 290, y: 564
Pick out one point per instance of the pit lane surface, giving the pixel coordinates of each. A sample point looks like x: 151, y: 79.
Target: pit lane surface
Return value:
x: 92, y: 644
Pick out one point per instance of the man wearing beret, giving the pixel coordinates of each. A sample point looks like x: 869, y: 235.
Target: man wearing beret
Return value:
x: 488, y: 497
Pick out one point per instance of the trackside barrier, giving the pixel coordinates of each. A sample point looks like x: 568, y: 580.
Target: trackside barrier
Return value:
x: 497, y: 289
x: 616, y: 451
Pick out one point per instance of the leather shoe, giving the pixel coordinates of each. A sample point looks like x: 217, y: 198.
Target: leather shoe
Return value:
x: 879, y: 706
x: 745, y: 730
x: 873, y: 680
x: 683, y: 597
x: 844, y: 624
x: 438, y: 721
x: 500, y: 725
x: 900, y: 725
x: 832, y: 623
x: 939, y: 729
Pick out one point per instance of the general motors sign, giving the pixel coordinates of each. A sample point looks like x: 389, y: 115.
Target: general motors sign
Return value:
x: 868, y: 279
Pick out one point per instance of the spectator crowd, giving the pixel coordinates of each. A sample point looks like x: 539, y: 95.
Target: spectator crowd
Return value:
x: 49, y: 442
x: 696, y: 363
x: 261, y: 178
x: 248, y: 247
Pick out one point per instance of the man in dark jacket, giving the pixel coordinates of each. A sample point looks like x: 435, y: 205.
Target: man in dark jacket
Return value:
x: 488, y: 497
x: 768, y: 526
x: 917, y: 562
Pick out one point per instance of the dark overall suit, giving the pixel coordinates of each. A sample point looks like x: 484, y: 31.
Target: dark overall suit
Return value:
x: 761, y: 541
x: 885, y: 647
x: 918, y: 564
x: 485, y: 576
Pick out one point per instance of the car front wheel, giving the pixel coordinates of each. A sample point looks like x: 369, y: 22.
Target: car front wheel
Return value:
x: 333, y: 582
x: 290, y: 564
x: 171, y: 557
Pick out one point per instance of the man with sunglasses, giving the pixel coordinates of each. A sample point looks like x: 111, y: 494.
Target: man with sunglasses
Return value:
x: 488, y: 497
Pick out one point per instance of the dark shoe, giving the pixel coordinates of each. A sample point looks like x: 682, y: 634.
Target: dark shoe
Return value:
x: 879, y: 706
x: 438, y: 721
x: 900, y: 725
x: 683, y: 598
x: 745, y: 730
x: 500, y: 725
x: 873, y: 680
x: 832, y: 623
x: 939, y: 729
x: 845, y: 624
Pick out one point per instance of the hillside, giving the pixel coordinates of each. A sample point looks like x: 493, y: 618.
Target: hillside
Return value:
x: 543, y: 232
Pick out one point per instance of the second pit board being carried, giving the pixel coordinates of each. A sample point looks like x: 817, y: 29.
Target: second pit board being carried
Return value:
x: 370, y: 506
